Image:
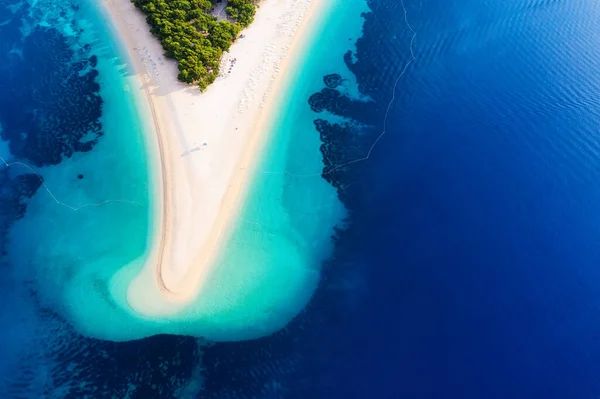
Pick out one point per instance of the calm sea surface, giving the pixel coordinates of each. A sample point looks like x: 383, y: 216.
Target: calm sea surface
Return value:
x: 469, y: 265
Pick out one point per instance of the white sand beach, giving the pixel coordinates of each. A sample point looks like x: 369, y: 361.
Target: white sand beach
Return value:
x: 205, y: 144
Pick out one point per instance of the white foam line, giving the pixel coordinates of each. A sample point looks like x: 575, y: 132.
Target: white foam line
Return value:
x: 73, y: 208
x: 366, y: 157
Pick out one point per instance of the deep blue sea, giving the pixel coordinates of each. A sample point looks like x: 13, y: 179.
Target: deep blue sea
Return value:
x: 471, y: 267
x: 470, y: 262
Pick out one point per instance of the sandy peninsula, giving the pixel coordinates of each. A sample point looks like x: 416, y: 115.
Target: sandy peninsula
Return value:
x: 205, y: 145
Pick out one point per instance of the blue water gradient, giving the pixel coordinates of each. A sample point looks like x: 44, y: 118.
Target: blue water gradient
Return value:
x: 469, y: 265
x: 470, y: 268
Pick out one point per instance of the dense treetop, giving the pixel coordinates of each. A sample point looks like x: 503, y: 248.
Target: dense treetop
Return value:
x: 241, y: 11
x: 193, y: 37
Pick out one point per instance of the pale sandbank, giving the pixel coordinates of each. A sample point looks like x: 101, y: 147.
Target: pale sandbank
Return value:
x: 205, y: 145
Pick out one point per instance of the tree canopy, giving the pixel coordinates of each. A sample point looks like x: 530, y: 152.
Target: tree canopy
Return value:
x: 193, y: 37
x: 242, y: 11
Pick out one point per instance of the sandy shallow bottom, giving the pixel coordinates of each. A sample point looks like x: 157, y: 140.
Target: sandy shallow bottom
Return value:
x: 206, y: 147
x: 206, y: 144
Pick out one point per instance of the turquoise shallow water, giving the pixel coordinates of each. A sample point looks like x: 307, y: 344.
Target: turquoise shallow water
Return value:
x: 103, y: 218
x: 267, y: 270
x: 46, y: 101
x: 63, y: 286
x: 270, y: 266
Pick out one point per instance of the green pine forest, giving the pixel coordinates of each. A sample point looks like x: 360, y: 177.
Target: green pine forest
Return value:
x: 193, y: 37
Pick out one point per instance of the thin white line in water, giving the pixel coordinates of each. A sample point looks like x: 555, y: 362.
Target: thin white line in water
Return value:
x: 73, y: 208
x: 368, y: 155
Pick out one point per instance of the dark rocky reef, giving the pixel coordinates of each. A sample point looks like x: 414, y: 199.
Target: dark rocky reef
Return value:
x: 50, y: 105
x: 344, y: 144
x: 335, y: 102
x: 14, y: 192
x: 333, y: 80
x: 154, y: 367
x: 337, y: 158
x: 76, y: 367
x: 348, y: 142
